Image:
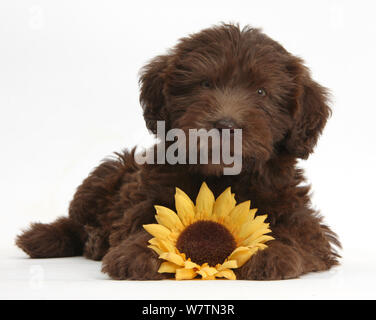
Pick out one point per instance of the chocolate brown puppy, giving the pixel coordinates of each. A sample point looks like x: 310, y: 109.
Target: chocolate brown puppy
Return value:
x: 220, y: 77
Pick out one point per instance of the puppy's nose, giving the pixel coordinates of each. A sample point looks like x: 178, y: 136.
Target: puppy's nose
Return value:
x: 226, y: 123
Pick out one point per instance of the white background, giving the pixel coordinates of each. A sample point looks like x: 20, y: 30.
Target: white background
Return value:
x: 69, y: 97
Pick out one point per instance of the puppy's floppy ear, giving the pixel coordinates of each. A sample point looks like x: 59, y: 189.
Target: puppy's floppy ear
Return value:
x: 152, y: 99
x: 311, y: 112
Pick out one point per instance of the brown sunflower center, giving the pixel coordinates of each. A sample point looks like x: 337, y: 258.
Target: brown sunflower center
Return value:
x: 206, y: 241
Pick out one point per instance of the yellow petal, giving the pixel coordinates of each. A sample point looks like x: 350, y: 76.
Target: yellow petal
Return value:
x: 155, y: 248
x: 236, y: 228
x: 250, y: 227
x: 242, y: 255
x: 224, y: 204
x: 210, y: 271
x: 261, y: 246
x: 264, y: 238
x: 240, y: 213
x: 252, y: 213
x: 174, y: 235
x: 227, y: 273
x: 164, y: 245
x: 172, y: 257
x: 190, y: 265
x: 257, y: 234
x: 230, y: 264
x: 168, y: 267
x: 207, y: 272
x: 157, y: 230
x: 168, y: 218
x: 185, y: 274
x: 259, y: 241
x: 184, y: 207
x: 205, y: 200
x: 260, y: 219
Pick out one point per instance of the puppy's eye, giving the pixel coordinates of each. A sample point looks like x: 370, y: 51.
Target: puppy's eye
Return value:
x: 206, y: 84
x: 261, y: 92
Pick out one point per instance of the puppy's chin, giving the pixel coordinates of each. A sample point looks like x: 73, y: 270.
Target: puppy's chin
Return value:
x: 238, y: 164
x: 216, y: 170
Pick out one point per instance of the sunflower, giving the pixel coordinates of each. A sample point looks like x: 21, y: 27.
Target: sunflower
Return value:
x: 208, y: 239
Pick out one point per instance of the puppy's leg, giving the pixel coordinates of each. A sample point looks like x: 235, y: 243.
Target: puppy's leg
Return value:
x: 133, y: 260
x: 96, y: 195
x: 62, y: 238
x: 90, y: 206
x: 279, y: 261
x: 94, y: 203
x: 300, y: 247
x: 97, y: 243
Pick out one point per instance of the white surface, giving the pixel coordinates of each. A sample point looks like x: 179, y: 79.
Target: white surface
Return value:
x: 79, y: 278
x: 69, y: 97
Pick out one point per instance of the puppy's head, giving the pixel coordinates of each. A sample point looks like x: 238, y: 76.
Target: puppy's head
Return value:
x: 225, y: 77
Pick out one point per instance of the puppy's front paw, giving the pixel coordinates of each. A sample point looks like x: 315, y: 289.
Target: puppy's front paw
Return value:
x: 133, y: 260
x: 278, y: 261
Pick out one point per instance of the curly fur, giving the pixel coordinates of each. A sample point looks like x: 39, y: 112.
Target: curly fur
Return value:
x: 109, y: 208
